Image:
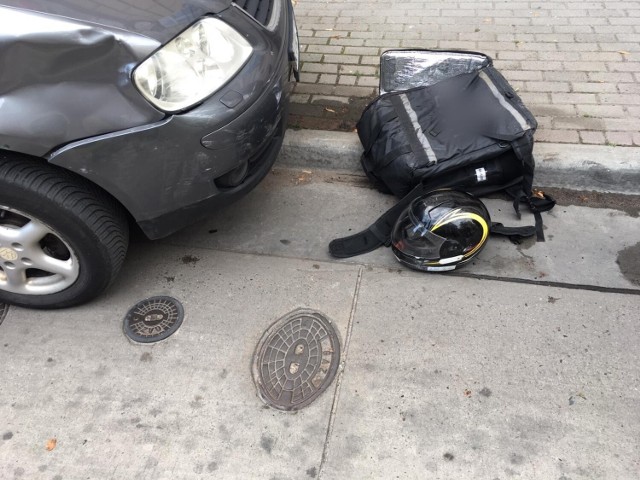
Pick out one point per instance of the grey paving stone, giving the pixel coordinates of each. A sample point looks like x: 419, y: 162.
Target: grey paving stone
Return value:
x: 547, y: 86
x: 574, y: 98
x: 594, y: 138
x: 601, y: 111
x: 370, y: 60
x: 610, y: 77
x: 330, y: 33
x: 341, y: 59
x: 553, y: 111
x: 558, y: 136
x: 567, y: 76
x: 325, y: 99
x: 347, y: 79
x: 632, y: 88
x: 622, y: 124
x: 361, y: 50
x: 331, y: 49
x: 357, y: 70
x: 625, y: 67
x: 620, y: 138
x: 310, y: 57
x: 593, y: 87
x: 566, y: 58
x: 353, y: 42
x: 328, y: 79
x: 620, y: 99
x: 312, y: 67
x: 516, y: 55
x: 579, y: 123
x: 526, y: 75
x: 308, y: 77
x: 368, y: 81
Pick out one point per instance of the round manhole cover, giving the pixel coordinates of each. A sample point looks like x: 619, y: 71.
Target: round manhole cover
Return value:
x: 153, y: 319
x: 4, y: 308
x: 296, y: 360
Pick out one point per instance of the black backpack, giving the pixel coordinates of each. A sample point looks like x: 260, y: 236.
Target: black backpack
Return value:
x: 469, y: 131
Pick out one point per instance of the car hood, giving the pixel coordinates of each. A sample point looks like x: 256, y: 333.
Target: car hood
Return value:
x: 160, y: 21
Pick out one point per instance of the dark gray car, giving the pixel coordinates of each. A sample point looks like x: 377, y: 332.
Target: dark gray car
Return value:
x: 156, y: 111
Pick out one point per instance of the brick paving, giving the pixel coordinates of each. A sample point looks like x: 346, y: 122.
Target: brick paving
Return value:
x: 575, y: 64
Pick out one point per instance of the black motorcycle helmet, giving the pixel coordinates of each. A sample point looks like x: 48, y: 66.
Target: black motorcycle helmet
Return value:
x: 441, y: 231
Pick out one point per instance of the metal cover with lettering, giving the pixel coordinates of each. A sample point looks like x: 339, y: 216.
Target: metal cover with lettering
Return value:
x: 153, y: 319
x: 296, y: 360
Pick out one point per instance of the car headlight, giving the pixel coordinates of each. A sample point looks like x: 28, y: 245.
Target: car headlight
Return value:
x: 192, y: 66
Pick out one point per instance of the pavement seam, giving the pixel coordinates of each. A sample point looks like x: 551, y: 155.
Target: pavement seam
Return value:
x: 354, y: 263
x: 545, y: 283
x: 336, y: 395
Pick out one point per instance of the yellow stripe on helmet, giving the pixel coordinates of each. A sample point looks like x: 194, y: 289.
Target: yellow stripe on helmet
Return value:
x: 456, y: 215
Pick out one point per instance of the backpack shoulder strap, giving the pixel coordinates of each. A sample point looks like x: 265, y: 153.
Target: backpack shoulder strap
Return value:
x: 514, y: 233
x: 538, y: 202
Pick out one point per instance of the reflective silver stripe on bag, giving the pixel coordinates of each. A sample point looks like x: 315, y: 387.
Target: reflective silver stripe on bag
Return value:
x: 418, y: 129
x: 515, y: 113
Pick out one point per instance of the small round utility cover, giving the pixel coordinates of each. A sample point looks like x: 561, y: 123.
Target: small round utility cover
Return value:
x: 4, y: 308
x: 153, y: 319
x: 296, y: 360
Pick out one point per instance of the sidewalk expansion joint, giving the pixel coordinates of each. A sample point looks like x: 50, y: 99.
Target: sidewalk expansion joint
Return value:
x: 336, y: 396
x: 547, y: 283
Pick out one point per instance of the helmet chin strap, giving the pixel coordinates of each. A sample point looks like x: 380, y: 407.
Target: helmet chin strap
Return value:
x: 378, y: 234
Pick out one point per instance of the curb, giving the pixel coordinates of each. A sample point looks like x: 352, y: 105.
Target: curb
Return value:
x: 560, y: 165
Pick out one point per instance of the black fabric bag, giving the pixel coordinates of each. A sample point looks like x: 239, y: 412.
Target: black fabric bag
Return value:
x: 432, y: 131
x: 470, y: 131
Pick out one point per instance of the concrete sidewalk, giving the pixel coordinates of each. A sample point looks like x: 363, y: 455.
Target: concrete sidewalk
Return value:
x: 524, y: 364
x: 575, y: 64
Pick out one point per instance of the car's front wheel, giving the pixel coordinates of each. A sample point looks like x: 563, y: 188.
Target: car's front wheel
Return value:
x: 62, y: 241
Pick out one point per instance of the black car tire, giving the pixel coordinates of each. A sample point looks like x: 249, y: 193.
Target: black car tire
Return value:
x: 84, y: 232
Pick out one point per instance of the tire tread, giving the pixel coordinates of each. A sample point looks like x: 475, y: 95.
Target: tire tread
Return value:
x: 104, y: 217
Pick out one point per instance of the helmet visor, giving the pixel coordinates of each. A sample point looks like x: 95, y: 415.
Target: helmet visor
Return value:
x: 416, y: 240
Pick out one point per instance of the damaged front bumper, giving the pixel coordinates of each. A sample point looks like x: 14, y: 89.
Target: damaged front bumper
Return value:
x: 173, y: 172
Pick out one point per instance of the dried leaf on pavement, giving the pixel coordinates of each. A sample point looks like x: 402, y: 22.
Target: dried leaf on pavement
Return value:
x: 51, y: 444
